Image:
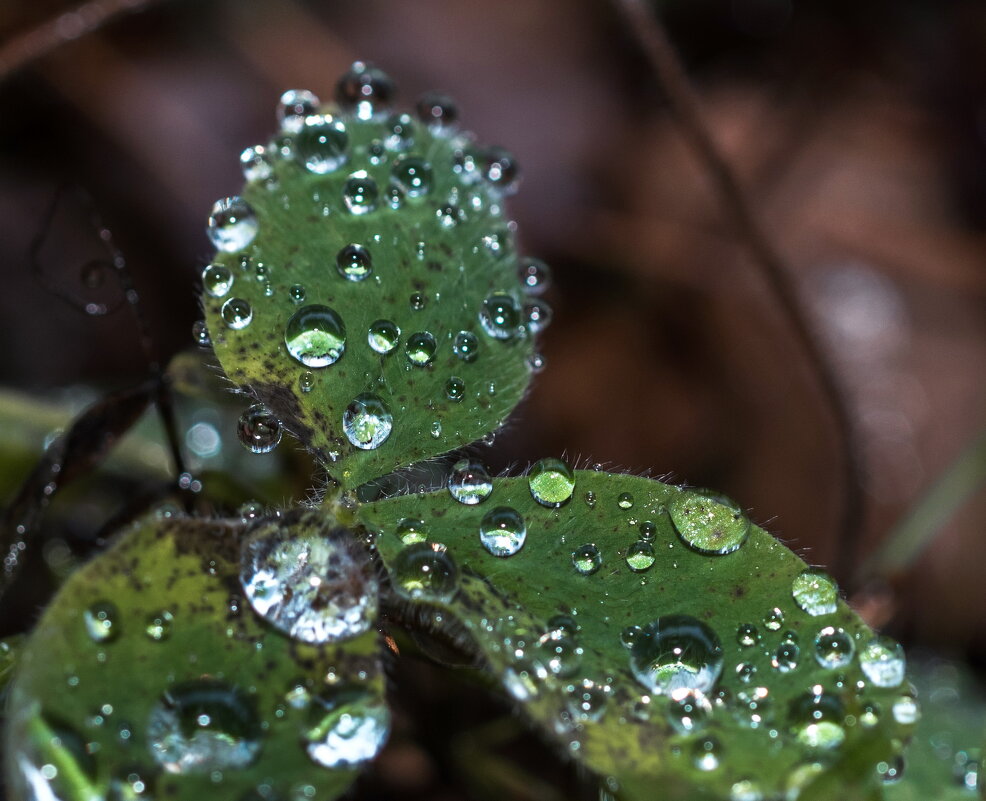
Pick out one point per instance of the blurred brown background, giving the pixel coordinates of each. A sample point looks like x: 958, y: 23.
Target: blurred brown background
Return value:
x: 858, y: 129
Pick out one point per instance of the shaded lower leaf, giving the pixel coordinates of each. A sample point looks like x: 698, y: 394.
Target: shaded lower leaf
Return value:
x: 151, y: 674
x: 655, y: 634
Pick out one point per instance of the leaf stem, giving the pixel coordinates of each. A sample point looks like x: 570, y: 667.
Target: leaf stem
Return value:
x: 684, y: 103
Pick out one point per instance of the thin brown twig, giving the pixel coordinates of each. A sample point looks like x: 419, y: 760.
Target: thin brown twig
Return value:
x: 685, y: 106
x: 61, y: 29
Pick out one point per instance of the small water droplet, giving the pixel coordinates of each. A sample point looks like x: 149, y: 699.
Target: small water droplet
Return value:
x: 426, y: 571
x: 834, y: 648
x: 470, y: 483
x: 689, y: 711
x: 297, y: 293
x: 630, y: 635
x: 232, y: 224
x: 465, y: 346
x: 203, y: 725
x: 882, y: 662
x: 158, y: 626
x: 677, y: 652
x: 316, y: 586
x: 747, y: 635
x: 322, y: 144
x: 350, y: 728
x: 551, y: 482
x: 590, y: 499
x: 785, y: 658
x: 625, y: 501
x: 418, y: 301
x: 437, y: 110
x: 640, y: 556
x: 436, y: 429
x: 365, y: 90
x: 503, y: 531
x: 500, y: 169
x: 420, y: 348
x: 295, y: 105
x: 413, y: 175
x: 455, y: 389
x: 200, y: 334
x: 367, y: 422
x: 893, y: 771
x: 499, y: 315
x: 383, y: 336
x: 258, y: 430
x: 354, y: 262
x: 360, y: 193
x: 411, y: 530
x: 818, y: 721
x: 306, y: 381
x: 537, y: 316
x: 815, y: 593
x: 102, y: 621
x: 587, y: 559
x: 745, y: 790
x: 535, y: 362
x: 217, y: 280
x: 315, y: 336
x: 534, y: 275
x: 257, y: 163
x: 707, y: 754
x: 906, y: 710
x: 773, y: 620
x: 708, y: 523
x: 588, y: 700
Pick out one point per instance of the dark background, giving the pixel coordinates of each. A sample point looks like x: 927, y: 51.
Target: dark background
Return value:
x: 858, y: 129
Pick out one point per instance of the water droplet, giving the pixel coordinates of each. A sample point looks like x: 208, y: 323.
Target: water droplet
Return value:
x: 882, y: 661
x: 503, y: 531
x: 158, y: 626
x: 236, y: 313
x: 102, y: 621
x: 351, y: 728
x: 383, y: 336
x: 906, y: 710
x: 785, y: 658
x: 258, y: 430
x: 411, y: 530
x: 297, y: 293
x: 535, y: 362
x: 773, y: 620
x: 426, y: 571
x: 294, y: 107
x: 893, y: 771
x: 367, y: 422
x: 257, y: 163
x: 818, y: 719
x: 625, y: 501
x: 746, y: 672
x: 200, y: 334
x: 354, y: 262
x: 315, y: 336
x: 365, y: 90
x: 689, y: 711
x: 551, y: 482
x: 745, y: 790
x: 232, y: 224
x: 450, y: 215
x: 436, y: 429
x: 418, y: 301
x: 630, y: 635
x: 420, y: 348
x: 469, y: 482
x: 499, y: 315
x: 590, y: 499
x: 455, y: 389
x: 534, y: 275
x: 306, y: 381
x: 709, y: 524
x: 217, y: 280
x: 203, y: 725
x: 558, y: 652
x: 466, y: 346
x: 587, y: 559
x: 677, y: 652
x: 537, y: 316
x: 500, y: 169
x: 360, y: 193
x: 834, y: 648
x: 316, y: 586
x: 588, y: 700
x: 815, y: 593
x: 640, y: 556
x: 249, y: 511
x: 706, y: 754
x: 400, y: 130
x: 437, y: 110
x: 322, y: 144
x: 412, y: 175
x: 747, y: 635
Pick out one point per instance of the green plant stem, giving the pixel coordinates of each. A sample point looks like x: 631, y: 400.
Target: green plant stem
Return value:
x: 923, y: 522
x: 684, y: 103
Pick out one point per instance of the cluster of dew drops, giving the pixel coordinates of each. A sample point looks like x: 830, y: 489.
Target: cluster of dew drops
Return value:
x: 677, y: 659
x: 316, y: 335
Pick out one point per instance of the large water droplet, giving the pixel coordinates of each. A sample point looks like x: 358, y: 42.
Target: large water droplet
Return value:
x: 437, y: 110
x: 204, y: 725
x: 294, y: 107
x: 351, y: 728
x: 465, y: 346
x: 587, y: 559
x: 413, y: 175
x: 503, y: 531
x: 420, y: 348
x: 426, y: 571
x: 882, y: 661
x: 217, y: 280
x: 551, y: 482
x: 315, y: 336
x: 365, y: 90
x: 815, y: 592
x: 817, y: 720
x: 706, y: 523
x: 258, y: 430
x: 834, y: 648
x: 367, y: 422
x: 469, y: 482
x: 232, y: 224
x: 354, y: 262
x: 102, y: 621
x: 322, y: 144
x: 677, y: 652
x: 640, y: 556
x: 315, y: 586
x: 499, y: 315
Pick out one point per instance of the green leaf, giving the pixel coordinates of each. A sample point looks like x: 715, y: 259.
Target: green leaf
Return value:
x: 413, y: 215
x: 607, y: 619
x: 150, y: 673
